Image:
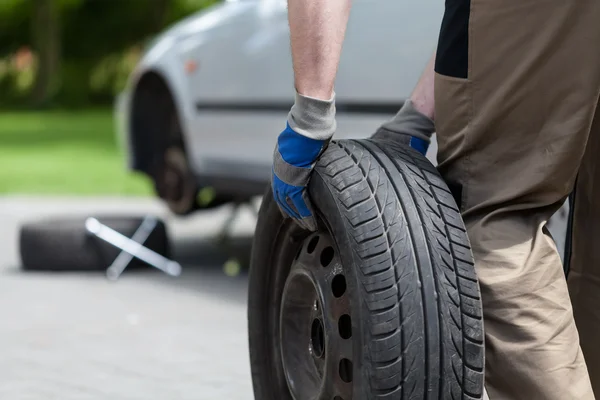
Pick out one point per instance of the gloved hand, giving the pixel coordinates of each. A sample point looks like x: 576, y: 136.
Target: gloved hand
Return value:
x: 409, y: 127
x: 310, y: 126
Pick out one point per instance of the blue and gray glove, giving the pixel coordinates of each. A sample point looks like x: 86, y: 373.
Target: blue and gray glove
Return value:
x: 310, y: 126
x: 408, y: 127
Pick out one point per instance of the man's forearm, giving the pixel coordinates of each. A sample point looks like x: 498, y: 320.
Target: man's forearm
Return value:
x: 317, y: 29
x: 416, y: 117
x: 422, y: 96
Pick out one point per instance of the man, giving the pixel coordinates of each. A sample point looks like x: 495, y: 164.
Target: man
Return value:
x: 516, y: 92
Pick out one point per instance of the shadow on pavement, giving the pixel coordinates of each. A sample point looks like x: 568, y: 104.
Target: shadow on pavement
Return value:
x: 219, y: 269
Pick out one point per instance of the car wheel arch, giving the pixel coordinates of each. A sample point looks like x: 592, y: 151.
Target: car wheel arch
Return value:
x: 153, y: 105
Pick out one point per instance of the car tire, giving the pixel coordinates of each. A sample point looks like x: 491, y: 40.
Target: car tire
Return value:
x: 382, y: 302
x: 175, y: 184
x: 63, y: 244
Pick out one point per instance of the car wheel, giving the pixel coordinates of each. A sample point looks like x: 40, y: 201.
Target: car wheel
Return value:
x: 382, y: 302
x: 63, y: 243
x: 175, y: 183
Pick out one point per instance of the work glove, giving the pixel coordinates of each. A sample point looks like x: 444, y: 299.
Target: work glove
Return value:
x: 309, y: 129
x: 408, y: 127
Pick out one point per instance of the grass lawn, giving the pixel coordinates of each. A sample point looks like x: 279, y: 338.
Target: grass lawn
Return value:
x: 63, y: 153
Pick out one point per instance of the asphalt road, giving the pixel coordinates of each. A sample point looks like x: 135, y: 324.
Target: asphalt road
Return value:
x: 78, y: 336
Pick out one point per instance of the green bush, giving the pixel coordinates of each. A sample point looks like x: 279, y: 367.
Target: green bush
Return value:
x: 99, y: 46
x: 15, y: 83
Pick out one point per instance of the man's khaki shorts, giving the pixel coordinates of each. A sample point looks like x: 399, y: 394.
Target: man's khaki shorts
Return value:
x: 517, y: 86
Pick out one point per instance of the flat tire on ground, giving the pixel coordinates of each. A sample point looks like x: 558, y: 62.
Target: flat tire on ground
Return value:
x: 382, y: 302
x: 63, y: 244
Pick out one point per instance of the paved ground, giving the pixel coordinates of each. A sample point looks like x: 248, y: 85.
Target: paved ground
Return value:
x: 78, y: 336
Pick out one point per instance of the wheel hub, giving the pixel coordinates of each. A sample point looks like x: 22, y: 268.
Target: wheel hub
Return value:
x: 317, y: 339
x: 316, y: 325
x: 174, y: 182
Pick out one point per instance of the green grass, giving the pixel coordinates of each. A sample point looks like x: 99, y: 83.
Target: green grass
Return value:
x: 64, y: 153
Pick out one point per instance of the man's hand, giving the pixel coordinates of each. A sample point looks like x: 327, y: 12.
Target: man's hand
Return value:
x: 409, y: 127
x: 317, y: 29
x: 413, y: 125
x: 310, y: 126
x: 293, y: 162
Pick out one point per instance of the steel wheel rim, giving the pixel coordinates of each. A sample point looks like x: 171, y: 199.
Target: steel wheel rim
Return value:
x: 315, y: 323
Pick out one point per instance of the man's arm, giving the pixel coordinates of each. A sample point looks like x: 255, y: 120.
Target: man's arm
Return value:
x: 423, y: 94
x: 414, y: 124
x: 317, y: 30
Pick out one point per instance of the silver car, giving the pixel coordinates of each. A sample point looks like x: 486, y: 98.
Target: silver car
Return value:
x: 202, y: 110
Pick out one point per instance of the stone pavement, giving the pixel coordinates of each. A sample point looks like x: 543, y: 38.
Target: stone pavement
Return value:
x: 73, y: 336
x: 77, y: 336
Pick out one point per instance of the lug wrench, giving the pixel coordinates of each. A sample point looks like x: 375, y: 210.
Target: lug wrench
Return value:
x: 132, y: 248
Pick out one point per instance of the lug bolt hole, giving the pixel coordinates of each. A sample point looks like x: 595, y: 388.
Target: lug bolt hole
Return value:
x: 327, y: 256
x: 338, y: 285
x: 312, y: 245
x: 345, y: 326
x: 346, y: 370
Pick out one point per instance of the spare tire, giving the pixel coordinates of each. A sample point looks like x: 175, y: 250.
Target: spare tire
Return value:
x: 63, y: 244
x: 382, y: 302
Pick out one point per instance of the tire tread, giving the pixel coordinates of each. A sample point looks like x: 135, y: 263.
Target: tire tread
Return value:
x: 387, y: 248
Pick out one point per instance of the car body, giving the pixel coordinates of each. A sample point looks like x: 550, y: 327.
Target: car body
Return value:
x: 226, y: 74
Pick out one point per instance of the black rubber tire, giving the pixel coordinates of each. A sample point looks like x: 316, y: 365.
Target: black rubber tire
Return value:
x: 63, y: 244
x: 416, y: 308
x: 175, y: 166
